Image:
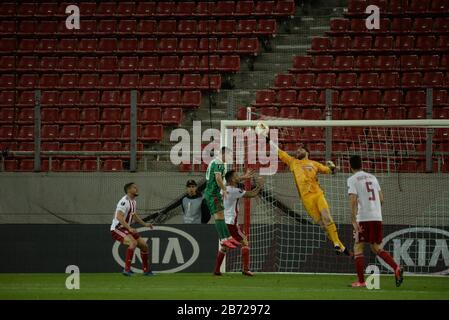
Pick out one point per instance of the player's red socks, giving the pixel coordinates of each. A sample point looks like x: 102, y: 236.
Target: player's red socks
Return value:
x: 245, y: 258
x: 144, y: 256
x: 388, y: 259
x: 219, y: 261
x: 129, y: 258
x: 360, y: 267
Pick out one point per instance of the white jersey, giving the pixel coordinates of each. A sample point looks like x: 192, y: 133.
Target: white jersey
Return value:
x: 231, y: 204
x: 128, y: 207
x: 367, y: 189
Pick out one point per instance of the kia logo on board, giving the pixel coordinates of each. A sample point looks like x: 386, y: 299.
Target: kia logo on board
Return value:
x: 419, y: 249
x: 171, y: 250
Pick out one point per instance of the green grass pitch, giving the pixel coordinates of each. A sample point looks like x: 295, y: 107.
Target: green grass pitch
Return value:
x: 205, y: 286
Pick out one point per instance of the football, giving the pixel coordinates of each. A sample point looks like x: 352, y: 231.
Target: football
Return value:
x: 262, y: 129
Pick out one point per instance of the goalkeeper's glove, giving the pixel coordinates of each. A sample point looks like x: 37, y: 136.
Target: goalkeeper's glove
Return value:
x: 331, y: 166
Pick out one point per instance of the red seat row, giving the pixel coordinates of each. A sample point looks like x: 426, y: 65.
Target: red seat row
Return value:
x: 107, y: 98
x: 325, y: 63
x: 396, y: 25
x: 64, y: 165
x: 168, y: 81
x: 365, y: 80
x: 70, y: 146
x: 81, y: 133
x: 125, y: 46
x: 162, y: 9
x: 178, y: 28
x: 379, y: 44
x: 91, y: 115
x: 400, y: 7
x: 350, y: 98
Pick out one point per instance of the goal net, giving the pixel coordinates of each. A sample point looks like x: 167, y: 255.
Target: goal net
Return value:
x: 283, y: 237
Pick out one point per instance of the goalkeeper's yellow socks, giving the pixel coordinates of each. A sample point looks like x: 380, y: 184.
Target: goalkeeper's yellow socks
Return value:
x: 332, y: 234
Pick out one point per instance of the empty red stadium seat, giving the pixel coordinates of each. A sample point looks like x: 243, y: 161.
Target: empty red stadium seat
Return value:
x: 284, y: 80
x: 345, y: 63
x: 244, y: 8
x: 89, y: 98
x: 392, y: 98
x: 440, y: 98
x: 112, y: 165
x: 90, y: 115
x: 150, y: 115
x: 353, y: 114
x: 127, y: 27
x: 389, y: 79
x: 416, y: 113
x: 320, y: 44
x: 246, y: 27
x: 327, y: 80
x: 87, y: 64
x: 266, y: 27
x: 441, y: 113
x: 339, y: 25
x: 395, y: 113
x: 382, y: 43
x: 125, y: 8
x: 289, y: 113
x: 415, y: 98
x: 350, y: 98
x: 189, y: 63
x: 111, y: 132
x: 6, y: 132
x: 426, y: 42
x: 187, y: 45
x: 375, y: 114
x: 70, y: 132
x: 263, y: 8
x: 308, y: 97
x: 312, y: 114
x: 69, y: 115
x: 401, y: 25
x: 7, y: 115
x: 148, y: 45
x: 172, y: 116
x: 107, y: 64
x: 441, y: 24
x: 371, y: 98
x: 152, y: 133
x: 106, y: 9
x: 151, y: 98
x: 305, y: 80
x: 341, y: 43
x: 265, y: 97
x: 301, y: 63
x: 284, y: 8
x: 347, y: 80
x: 411, y: 79
x: 110, y: 98
x: 433, y: 79
x: 286, y: 97
x: 369, y: 80
x: 69, y: 98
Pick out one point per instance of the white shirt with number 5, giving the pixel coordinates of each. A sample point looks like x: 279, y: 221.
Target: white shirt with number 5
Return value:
x: 366, y: 187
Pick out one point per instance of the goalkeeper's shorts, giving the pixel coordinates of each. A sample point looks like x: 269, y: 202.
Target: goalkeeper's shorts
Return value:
x: 214, y: 203
x: 314, y: 203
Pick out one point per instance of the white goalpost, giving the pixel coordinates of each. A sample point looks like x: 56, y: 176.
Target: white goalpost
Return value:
x: 403, y: 154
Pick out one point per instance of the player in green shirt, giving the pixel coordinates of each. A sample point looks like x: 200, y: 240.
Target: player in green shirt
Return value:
x: 215, y: 188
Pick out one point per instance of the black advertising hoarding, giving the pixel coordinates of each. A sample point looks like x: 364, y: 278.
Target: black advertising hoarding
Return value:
x: 192, y: 248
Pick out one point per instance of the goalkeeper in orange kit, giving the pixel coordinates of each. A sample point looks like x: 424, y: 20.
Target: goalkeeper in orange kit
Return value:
x: 305, y: 173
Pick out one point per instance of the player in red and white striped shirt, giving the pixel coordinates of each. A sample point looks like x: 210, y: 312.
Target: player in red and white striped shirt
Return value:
x: 122, y: 231
x: 231, y: 211
x: 366, y: 204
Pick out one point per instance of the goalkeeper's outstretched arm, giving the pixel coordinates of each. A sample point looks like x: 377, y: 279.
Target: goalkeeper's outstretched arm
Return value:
x: 283, y: 156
